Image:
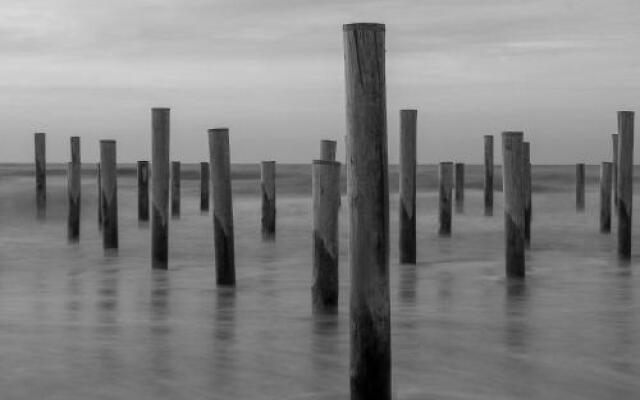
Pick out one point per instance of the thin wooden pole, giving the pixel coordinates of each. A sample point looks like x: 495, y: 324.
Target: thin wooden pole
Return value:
x: 625, y: 181
x: 143, y: 190
x: 605, y: 196
x: 73, y: 191
x: 459, y: 193
x: 328, y: 150
x: 160, y: 133
x: 526, y: 156
x: 99, y: 180
x: 268, y: 186
x: 175, y: 189
x: 41, y: 173
x: 326, y: 205
x: 109, y: 191
x: 368, y: 194
x: 222, y: 207
x: 204, y: 186
x: 615, y: 168
x: 488, y: 175
x: 580, y: 187
x: 446, y: 187
x: 512, y: 170
x: 407, y: 245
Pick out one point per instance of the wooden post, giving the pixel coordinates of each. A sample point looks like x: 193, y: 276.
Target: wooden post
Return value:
x: 41, y: 173
x: 175, y: 189
x: 614, y: 143
x: 326, y: 204
x: 625, y: 181
x: 109, y: 191
x: 407, y: 245
x: 512, y: 170
x: 328, y: 150
x: 446, y: 186
x: 526, y: 159
x: 143, y: 190
x: 580, y: 187
x: 368, y: 196
x: 268, y: 185
x: 160, y: 132
x: 73, y: 191
x: 204, y: 186
x: 459, y: 187
x: 222, y: 207
x: 99, y: 180
x: 605, y: 196
x: 488, y: 175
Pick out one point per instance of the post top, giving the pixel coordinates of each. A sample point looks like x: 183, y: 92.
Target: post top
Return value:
x: 160, y: 109
x: 489, y: 136
x: 326, y: 162
x: 218, y: 130
x: 39, y: 133
x: 625, y: 112
x: 143, y: 162
x: 175, y: 162
x: 409, y: 110
x: 268, y: 162
x: 363, y: 26
x: 108, y: 141
x: 515, y: 134
x: 328, y: 140
x: 607, y: 163
x: 614, y: 134
x: 446, y: 162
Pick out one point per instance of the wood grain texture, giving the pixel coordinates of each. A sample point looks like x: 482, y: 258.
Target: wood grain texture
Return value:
x: 625, y: 181
x: 407, y: 202
x: 109, y: 192
x: 143, y: 190
x: 514, y: 199
x: 41, y: 173
x: 268, y: 187
x: 160, y: 137
x: 445, y: 198
x: 606, y: 174
x: 488, y: 175
x: 328, y: 150
x: 580, y: 187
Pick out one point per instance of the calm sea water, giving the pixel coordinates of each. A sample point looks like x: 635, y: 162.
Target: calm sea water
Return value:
x: 78, y: 324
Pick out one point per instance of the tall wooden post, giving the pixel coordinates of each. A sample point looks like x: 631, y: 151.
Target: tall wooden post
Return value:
x: 459, y: 187
x: 73, y: 191
x: 368, y: 196
x: 605, y: 196
x: 160, y: 132
x: 143, y: 190
x: 407, y: 245
x: 326, y: 204
x: 99, y: 180
x: 268, y: 186
x: 446, y: 187
x: 328, y: 150
x: 204, y: 186
x: 222, y: 207
x: 526, y: 159
x: 488, y: 175
x: 625, y: 181
x: 175, y: 188
x: 580, y: 187
x: 109, y: 191
x: 614, y: 166
x: 512, y: 170
x: 41, y: 173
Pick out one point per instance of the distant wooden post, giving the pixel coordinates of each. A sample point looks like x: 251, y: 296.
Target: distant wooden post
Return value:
x: 625, y: 181
x: 326, y: 204
x: 143, y: 190
x: 175, y: 188
x: 446, y: 186
x: 73, y: 191
x: 41, y: 173
x: 459, y: 187
x: 605, y: 196
x: 160, y: 132
x: 614, y: 143
x: 268, y: 187
x: 368, y: 197
x: 204, y: 186
x: 109, y: 191
x: 407, y: 245
x: 99, y: 180
x: 488, y: 175
x: 580, y: 187
x: 526, y: 159
x: 328, y: 150
x: 222, y: 207
x: 514, y: 199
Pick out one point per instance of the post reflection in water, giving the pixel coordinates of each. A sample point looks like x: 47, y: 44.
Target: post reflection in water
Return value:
x: 160, y: 330
x: 408, y: 284
x: 107, y: 313
x: 224, y: 357
x: 516, y: 339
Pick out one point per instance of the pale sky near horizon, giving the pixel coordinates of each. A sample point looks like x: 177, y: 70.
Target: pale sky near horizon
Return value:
x: 272, y: 71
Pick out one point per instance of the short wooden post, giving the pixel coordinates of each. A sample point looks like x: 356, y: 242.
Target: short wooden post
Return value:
x: 526, y: 159
x: 580, y: 187
x: 625, y: 181
x: 268, y: 186
x: 204, y: 186
x: 99, y: 180
x: 605, y: 196
x: 222, y: 207
x: 326, y: 204
x: 143, y: 190
x: 328, y: 150
x: 41, y: 173
x: 459, y: 186
x: 488, y: 175
x: 513, y: 188
x: 175, y: 188
x: 109, y: 191
x: 446, y: 187
x: 614, y: 166
x: 160, y: 132
x: 368, y: 197
x: 73, y: 191
x: 407, y: 245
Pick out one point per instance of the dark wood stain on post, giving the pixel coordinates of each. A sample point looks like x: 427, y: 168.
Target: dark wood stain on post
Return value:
x: 175, y: 189
x: 109, y: 191
x: 41, y: 174
x: 605, y: 196
x: 580, y: 187
x: 526, y: 158
x: 514, y: 199
x: 459, y: 186
x: 368, y: 197
x: 268, y: 187
x: 99, y: 180
x: 407, y: 203
x: 73, y: 191
x: 615, y: 168
x: 625, y: 181
x: 488, y: 175
x: 160, y: 136
x: 143, y: 190
x: 328, y: 150
x: 204, y: 186
x: 446, y: 188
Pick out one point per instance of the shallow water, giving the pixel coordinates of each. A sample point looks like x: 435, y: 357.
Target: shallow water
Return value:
x: 76, y: 323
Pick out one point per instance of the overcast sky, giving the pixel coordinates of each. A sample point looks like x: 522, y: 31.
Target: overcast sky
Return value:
x: 272, y: 71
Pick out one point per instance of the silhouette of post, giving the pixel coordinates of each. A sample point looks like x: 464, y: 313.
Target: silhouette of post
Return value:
x: 526, y: 158
x: 605, y: 196
x: 580, y: 187
x: 143, y: 190
x: 328, y: 150
x: 514, y: 199
x: 73, y: 191
x: 204, y: 186
x: 446, y: 188
x: 109, y: 191
x: 614, y: 171
x: 408, y: 120
x: 99, y: 180
x: 326, y: 204
x: 222, y: 207
x: 268, y: 186
x: 488, y: 175
x: 625, y: 181
x: 368, y: 197
x: 41, y: 173
x: 459, y: 187
x: 160, y: 133
x: 175, y: 188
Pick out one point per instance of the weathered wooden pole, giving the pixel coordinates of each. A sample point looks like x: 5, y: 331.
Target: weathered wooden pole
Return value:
x: 99, y: 180
x: 446, y: 187
x: 625, y: 181
x: 459, y: 186
x: 143, y: 190
x: 109, y: 191
x: 204, y: 186
x: 614, y: 166
x: 580, y: 187
x: 73, y: 191
x: 488, y: 175
x: 41, y: 173
x: 222, y: 207
x: 407, y: 245
x: 514, y: 199
x: 328, y: 150
x: 175, y: 188
x: 368, y: 196
x: 605, y: 196
x: 268, y: 186
x: 325, y: 177
x: 526, y: 159
x: 160, y: 132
